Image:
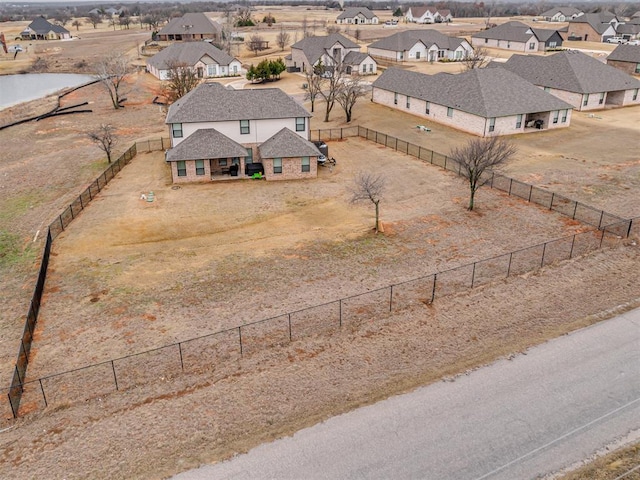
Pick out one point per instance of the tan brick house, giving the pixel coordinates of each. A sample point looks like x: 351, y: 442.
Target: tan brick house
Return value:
x: 626, y: 58
x: 221, y: 133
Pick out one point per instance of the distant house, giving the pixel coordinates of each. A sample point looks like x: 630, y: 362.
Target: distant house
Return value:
x: 626, y: 58
x: 189, y: 27
x: 583, y: 81
x: 425, y: 14
x: 485, y: 102
x: 329, y: 51
x: 629, y: 30
x: 41, y: 29
x: 420, y: 45
x: 561, y: 14
x: 357, y: 16
x: 219, y: 133
x: 203, y: 58
x: 592, y: 27
x: 519, y: 37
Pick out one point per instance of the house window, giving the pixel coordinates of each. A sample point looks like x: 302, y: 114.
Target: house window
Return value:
x: 553, y: 44
x: 176, y: 130
x: 519, y: 121
x: 492, y: 124
x: 449, y: 112
x: 182, y: 168
x: 212, y: 70
x: 395, y: 98
x: 235, y: 161
x: 458, y: 54
x: 300, y: 124
x: 564, y: 116
x: 417, y: 55
x: 532, y: 45
x: 249, y: 158
x: 556, y: 114
x: 277, y: 165
x: 244, y: 127
x: 306, y: 164
x: 509, y: 45
x: 585, y: 99
x: 408, y: 101
x: 486, y: 40
x: 371, y: 67
x: 637, y: 67
x: 547, y: 89
x: 199, y: 167
x: 635, y: 92
x: 440, y: 53
x: 426, y: 110
x: 401, y: 55
x: 222, y: 162
x: 601, y: 99
x: 235, y: 69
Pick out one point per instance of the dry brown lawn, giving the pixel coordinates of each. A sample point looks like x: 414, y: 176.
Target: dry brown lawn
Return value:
x: 130, y: 275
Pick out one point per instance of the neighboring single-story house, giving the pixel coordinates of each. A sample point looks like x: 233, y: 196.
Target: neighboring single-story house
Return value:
x: 485, y: 102
x: 329, y: 50
x: 201, y: 57
x: 518, y: 36
x: 357, y: 16
x: 189, y: 27
x: 626, y: 58
x: 629, y: 30
x: 592, y: 27
x: 420, y: 45
x: 425, y: 14
x: 561, y: 14
x: 41, y: 29
x: 219, y: 133
x: 583, y: 81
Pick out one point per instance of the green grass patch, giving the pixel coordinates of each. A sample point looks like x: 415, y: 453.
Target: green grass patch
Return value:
x: 18, y: 205
x: 13, y: 252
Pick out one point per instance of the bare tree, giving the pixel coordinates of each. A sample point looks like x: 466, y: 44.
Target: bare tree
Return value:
x: 112, y: 70
x: 181, y: 79
x: 77, y: 23
x: 282, y: 40
x: 369, y: 186
x: 255, y: 43
x: 332, y: 29
x: 125, y: 21
x: 331, y: 78
x: 94, y: 19
x: 479, y: 158
x: 478, y: 58
x: 305, y: 27
x: 314, y: 85
x: 357, y: 33
x: 348, y: 94
x: 105, y: 138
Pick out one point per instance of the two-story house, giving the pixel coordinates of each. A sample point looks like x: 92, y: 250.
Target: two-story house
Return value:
x: 218, y: 133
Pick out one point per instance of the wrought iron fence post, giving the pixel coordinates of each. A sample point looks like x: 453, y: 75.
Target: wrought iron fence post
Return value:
x: 340, y: 317
x: 43, y: 395
x: 530, y: 191
x: 493, y: 175
x: 115, y: 378
x: 445, y: 162
x: 509, y: 267
x: 473, y: 274
x: 431, y: 157
x: 13, y: 412
x: 600, y: 222
x: 289, y: 327
x: 240, y: 338
x: 573, y: 240
x: 510, y: 185
x: 575, y: 209
x: 18, y: 373
x: 544, y: 249
x: 629, y: 229
x: 551, y: 204
x: 391, y: 298
x: 602, y: 237
x: 81, y: 205
x: 180, y: 351
x: 433, y: 290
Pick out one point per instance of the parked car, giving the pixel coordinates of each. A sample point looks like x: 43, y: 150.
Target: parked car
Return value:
x: 634, y: 42
x: 616, y: 40
x: 324, y: 150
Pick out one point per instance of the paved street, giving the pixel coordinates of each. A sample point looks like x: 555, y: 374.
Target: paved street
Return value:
x: 514, y: 419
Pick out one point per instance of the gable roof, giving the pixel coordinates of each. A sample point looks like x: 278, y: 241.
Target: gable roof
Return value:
x: 628, y: 28
x: 419, y: 11
x: 41, y: 26
x: 286, y: 144
x: 511, y: 31
x: 625, y: 53
x: 572, y: 71
x: 401, y: 41
x: 355, y: 58
x: 566, y: 11
x: 544, y: 34
x: 188, y: 53
x: 598, y: 21
x: 486, y: 92
x: 191, y: 23
x: 353, y: 11
x: 315, y: 47
x: 205, y: 143
x: 211, y: 102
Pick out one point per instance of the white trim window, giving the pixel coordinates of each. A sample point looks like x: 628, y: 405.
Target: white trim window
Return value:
x: 449, y: 112
x: 306, y: 164
x: 277, y: 165
x: 556, y: 115
x: 176, y: 130
x: 181, y: 166
x: 301, y: 124
x: 519, y: 121
x: 492, y: 124
x: 244, y: 127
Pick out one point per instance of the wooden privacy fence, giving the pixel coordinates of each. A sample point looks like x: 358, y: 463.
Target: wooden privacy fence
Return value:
x: 204, y: 352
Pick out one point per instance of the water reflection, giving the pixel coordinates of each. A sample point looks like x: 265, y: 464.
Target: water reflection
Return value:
x: 16, y: 89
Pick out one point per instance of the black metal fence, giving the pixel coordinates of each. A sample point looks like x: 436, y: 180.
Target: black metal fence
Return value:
x: 208, y: 352
x: 57, y: 226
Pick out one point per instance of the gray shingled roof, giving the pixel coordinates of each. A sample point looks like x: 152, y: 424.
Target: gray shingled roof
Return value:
x: 402, y: 41
x: 566, y: 11
x: 205, y: 143
x: 487, y: 92
x: 211, y: 102
x: 41, y: 26
x: 625, y: 53
x: 188, y: 53
x: 199, y: 24
x: 315, y: 47
x: 598, y: 21
x: 419, y: 11
x: 354, y: 58
x: 628, y: 28
x: 286, y: 144
x: 514, y: 32
x: 353, y: 11
x: 572, y: 71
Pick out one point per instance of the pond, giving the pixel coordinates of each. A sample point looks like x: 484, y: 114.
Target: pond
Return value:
x: 16, y: 89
